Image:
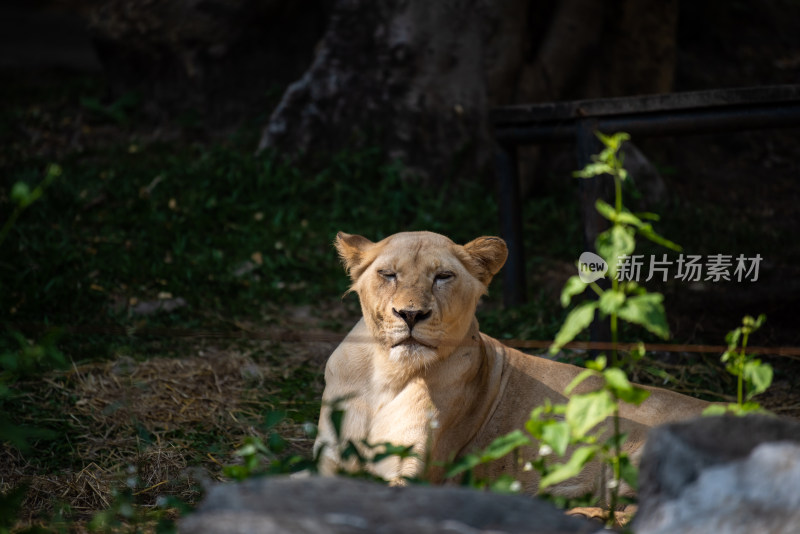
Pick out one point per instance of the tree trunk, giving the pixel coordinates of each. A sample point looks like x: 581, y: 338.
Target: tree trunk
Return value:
x: 596, y: 49
x: 406, y: 75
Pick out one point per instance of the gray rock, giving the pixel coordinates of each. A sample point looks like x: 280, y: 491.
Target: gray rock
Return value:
x: 320, y: 505
x: 722, y: 474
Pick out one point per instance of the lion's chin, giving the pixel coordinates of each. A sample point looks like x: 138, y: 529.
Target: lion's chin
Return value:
x: 412, y: 354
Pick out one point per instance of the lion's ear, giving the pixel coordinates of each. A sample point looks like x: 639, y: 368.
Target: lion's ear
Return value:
x: 352, y: 250
x: 489, y: 255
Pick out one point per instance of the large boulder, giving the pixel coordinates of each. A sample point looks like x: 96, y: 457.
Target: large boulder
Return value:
x: 722, y: 474
x: 340, y: 505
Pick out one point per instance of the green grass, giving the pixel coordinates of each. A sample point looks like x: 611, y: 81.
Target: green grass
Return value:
x: 229, y: 232
x: 218, y: 227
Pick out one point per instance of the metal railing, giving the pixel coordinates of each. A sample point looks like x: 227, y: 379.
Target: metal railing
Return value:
x: 719, y: 110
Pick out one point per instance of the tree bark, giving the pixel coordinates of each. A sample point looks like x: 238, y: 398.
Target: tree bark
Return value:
x: 406, y: 75
x: 596, y: 49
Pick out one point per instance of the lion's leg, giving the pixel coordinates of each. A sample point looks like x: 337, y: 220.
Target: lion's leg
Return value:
x: 406, y: 422
x: 399, y: 470
x: 331, y: 441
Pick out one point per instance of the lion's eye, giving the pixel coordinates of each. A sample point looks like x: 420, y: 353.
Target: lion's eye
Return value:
x: 388, y: 275
x: 445, y: 275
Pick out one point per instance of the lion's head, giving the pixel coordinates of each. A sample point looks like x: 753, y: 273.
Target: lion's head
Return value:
x: 419, y: 290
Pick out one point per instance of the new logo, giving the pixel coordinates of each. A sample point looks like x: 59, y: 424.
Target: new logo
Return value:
x: 591, y: 267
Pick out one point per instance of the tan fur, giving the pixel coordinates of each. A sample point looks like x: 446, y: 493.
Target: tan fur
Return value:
x: 452, y: 389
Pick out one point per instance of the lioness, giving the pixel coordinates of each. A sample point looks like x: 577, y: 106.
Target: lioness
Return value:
x: 415, y: 370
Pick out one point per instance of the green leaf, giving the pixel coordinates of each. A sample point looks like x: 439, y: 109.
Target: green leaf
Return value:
x: 623, y: 389
x: 541, y: 416
x: 606, y: 156
x: 598, y: 364
x: 20, y: 436
x: 647, y: 231
x: 616, y: 380
x: 612, y: 440
x: 276, y: 443
x: 626, y: 217
x: 637, y: 352
x: 605, y: 209
x: 573, y: 467
x: 727, y: 355
x: 504, y: 444
x: 629, y: 472
x: 736, y: 409
x: 616, y: 242
x: 272, y: 418
x: 611, y: 301
x: 613, y: 141
x: 593, y: 169
x: 20, y: 193
x: 646, y: 310
x: 734, y: 368
x: 350, y: 450
x: 636, y: 396
x: 587, y: 410
x: 732, y: 338
x: 556, y: 435
x: 623, y: 217
x: 505, y: 484
x: 236, y: 472
x: 758, y: 375
x: 578, y: 319
x: 574, y: 286
x: 389, y: 450
x: 337, y: 420
x: 464, y: 464
x: 747, y: 408
x: 497, y: 449
x: 648, y: 216
x: 715, y: 409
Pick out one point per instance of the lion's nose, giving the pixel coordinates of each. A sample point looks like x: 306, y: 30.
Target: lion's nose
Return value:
x: 411, y: 317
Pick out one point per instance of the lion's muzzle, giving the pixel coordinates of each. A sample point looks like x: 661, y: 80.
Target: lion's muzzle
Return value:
x: 411, y: 316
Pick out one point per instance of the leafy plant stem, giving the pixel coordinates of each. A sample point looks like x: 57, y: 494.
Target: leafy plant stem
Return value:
x: 617, y: 191
x: 614, y: 497
x: 617, y: 469
x: 613, y: 325
x: 614, y: 280
x: 23, y: 197
x: 753, y: 376
x: 742, y: 359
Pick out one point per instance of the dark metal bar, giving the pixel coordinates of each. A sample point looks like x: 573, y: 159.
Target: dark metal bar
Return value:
x: 722, y: 110
x: 636, y: 105
x: 511, y: 224
x: 662, y: 123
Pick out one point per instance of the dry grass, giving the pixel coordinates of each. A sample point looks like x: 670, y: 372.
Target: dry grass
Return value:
x: 162, y: 426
